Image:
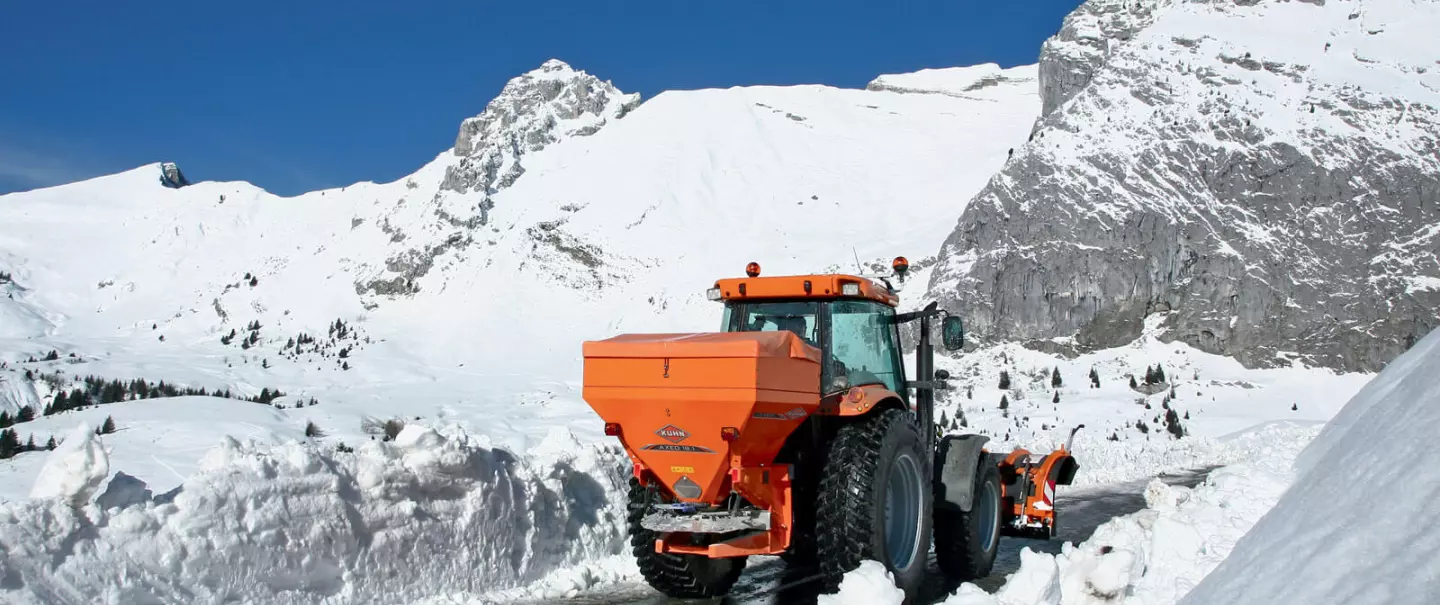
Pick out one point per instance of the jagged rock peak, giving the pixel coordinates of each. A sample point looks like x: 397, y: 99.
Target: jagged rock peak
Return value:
x: 1087, y: 38
x: 532, y: 111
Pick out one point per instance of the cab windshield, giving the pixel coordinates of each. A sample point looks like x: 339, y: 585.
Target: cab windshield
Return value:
x: 857, y: 339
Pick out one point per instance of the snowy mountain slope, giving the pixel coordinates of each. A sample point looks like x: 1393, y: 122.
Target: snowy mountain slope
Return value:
x: 841, y: 163
x: 1347, y: 545
x: 1268, y: 170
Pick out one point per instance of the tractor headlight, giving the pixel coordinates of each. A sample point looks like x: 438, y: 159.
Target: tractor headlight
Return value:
x: 713, y: 293
x: 850, y: 289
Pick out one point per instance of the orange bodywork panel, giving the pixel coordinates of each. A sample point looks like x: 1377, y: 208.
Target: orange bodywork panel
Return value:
x: 793, y: 286
x: 672, y: 394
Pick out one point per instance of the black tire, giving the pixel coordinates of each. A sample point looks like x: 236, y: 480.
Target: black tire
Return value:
x: 966, y: 543
x: 851, y: 506
x: 678, y: 576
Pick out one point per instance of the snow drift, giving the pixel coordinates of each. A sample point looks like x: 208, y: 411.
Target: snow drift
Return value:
x: 1357, y: 526
x: 1291, y: 525
x: 294, y: 524
x: 1156, y: 555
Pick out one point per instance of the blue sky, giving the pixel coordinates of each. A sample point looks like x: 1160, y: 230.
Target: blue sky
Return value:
x: 295, y: 96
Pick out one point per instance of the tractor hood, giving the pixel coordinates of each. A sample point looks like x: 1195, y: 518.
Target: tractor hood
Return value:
x: 672, y: 394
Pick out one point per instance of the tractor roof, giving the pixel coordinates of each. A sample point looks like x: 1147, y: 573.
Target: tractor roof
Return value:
x: 831, y: 286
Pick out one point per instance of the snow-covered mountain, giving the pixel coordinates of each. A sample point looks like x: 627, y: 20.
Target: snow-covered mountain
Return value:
x: 1268, y: 171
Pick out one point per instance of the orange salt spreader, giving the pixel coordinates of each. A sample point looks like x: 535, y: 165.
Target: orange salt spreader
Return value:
x: 794, y: 431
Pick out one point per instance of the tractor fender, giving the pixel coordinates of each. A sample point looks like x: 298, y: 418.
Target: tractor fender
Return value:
x: 957, y: 460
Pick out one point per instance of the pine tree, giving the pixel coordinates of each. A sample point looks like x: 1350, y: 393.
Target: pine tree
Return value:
x: 1149, y: 375
x: 26, y: 414
x: 1055, y: 381
x: 969, y: 392
x: 313, y: 431
x: 1056, y: 399
x: 1094, y: 379
x: 1004, y: 380
x: 30, y: 444
x: 265, y: 363
x: 1132, y: 383
x: 109, y: 426
x: 345, y: 365
x: 1294, y: 407
x: 1159, y: 374
x: 6, y: 420
x: 944, y: 419
x: 1172, y: 424
x: 9, y: 443
x: 50, y: 445
x: 52, y: 355
x: 254, y: 281
x: 1004, y: 402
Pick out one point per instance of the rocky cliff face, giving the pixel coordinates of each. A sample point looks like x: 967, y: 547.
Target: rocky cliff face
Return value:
x: 1276, y: 193
x: 532, y: 111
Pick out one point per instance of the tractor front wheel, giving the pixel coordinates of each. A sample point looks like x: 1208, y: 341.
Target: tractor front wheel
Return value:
x: 678, y: 576
x: 966, y: 542
x: 875, y: 500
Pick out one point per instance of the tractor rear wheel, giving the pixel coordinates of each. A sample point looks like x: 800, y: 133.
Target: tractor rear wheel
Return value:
x: 966, y: 542
x: 678, y: 576
x: 875, y: 500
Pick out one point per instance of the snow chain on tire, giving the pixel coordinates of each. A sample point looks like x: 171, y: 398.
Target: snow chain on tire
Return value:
x: 850, y: 507
x: 678, y: 576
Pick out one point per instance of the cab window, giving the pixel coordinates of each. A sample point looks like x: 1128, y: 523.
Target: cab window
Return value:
x: 862, y: 339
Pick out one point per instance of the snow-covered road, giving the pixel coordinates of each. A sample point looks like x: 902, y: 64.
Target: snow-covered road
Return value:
x: 768, y: 580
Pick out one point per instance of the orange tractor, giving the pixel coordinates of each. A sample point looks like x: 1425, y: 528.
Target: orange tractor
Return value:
x: 794, y: 431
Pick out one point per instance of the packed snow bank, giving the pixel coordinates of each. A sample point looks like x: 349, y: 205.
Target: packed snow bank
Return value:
x: 868, y: 584
x: 159, y: 441
x: 1358, y: 526
x: 1156, y: 555
x: 428, y: 514
x: 74, y: 469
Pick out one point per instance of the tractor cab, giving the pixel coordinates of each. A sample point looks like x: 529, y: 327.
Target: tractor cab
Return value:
x: 850, y: 319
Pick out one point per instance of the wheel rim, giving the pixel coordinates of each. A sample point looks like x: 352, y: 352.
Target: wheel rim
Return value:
x: 988, y: 511
x: 902, y: 511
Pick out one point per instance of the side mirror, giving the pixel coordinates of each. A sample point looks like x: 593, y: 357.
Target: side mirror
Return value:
x: 952, y: 333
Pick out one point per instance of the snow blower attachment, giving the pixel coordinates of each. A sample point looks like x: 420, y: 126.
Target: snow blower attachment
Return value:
x: 795, y: 432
